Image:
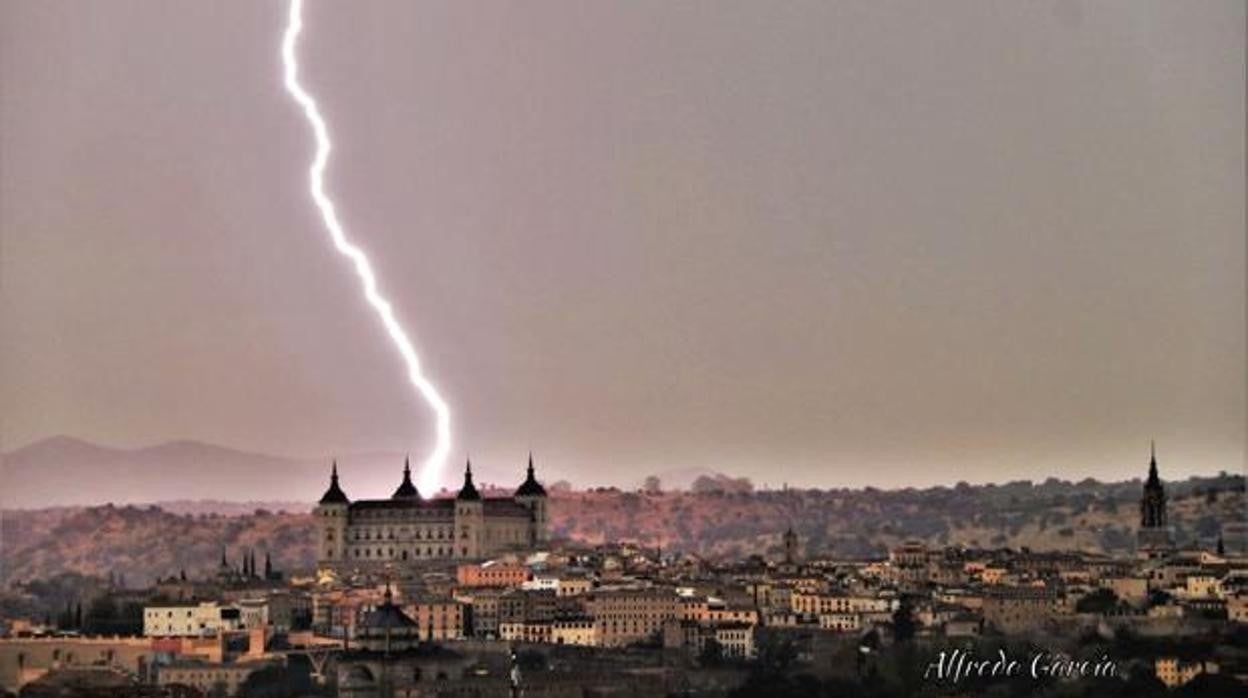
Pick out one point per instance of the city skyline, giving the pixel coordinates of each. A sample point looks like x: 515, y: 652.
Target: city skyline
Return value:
x: 781, y: 244
x: 635, y: 348
x: 220, y: 474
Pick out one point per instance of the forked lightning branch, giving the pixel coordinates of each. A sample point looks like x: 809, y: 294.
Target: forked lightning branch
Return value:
x: 432, y: 470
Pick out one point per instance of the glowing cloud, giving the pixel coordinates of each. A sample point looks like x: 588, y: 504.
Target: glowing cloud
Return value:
x: 429, y: 475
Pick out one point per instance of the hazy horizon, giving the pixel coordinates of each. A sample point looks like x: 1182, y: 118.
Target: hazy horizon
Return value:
x: 370, y: 475
x: 859, y: 243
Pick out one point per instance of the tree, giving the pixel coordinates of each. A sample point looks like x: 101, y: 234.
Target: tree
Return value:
x: 266, y: 682
x: 1207, y: 526
x: 1158, y: 597
x: 712, y: 653
x: 1100, y: 601
x: 904, y: 624
x: 531, y: 661
x: 102, y: 616
x: 65, y: 620
x: 652, y: 485
x: 278, y: 682
x: 774, y: 657
x: 1212, y: 686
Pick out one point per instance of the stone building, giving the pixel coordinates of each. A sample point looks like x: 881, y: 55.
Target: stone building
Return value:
x: 1016, y: 610
x: 27, y: 659
x: 204, y: 619
x: 408, y: 528
x: 437, y: 619
x: 491, y: 574
x: 209, y: 678
x: 1174, y: 672
x: 386, y: 628
x: 627, y: 616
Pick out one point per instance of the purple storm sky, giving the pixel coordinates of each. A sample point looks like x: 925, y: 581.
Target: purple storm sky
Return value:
x: 816, y: 242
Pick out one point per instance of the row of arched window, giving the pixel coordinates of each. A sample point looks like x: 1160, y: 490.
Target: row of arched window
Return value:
x: 403, y: 554
x: 421, y: 534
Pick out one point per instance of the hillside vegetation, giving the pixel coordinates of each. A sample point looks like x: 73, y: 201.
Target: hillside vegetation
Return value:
x: 141, y: 542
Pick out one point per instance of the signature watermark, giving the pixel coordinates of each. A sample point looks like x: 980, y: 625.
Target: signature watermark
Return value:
x: 958, y: 665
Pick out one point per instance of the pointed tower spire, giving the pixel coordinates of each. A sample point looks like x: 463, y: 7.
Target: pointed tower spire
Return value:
x: 1154, y: 480
x: 334, y: 494
x: 406, y: 489
x: 531, y: 487
x: 1153, y: 503
x: 468, y: 491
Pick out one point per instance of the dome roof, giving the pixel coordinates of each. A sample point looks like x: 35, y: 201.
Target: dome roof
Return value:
x: 387, y: 615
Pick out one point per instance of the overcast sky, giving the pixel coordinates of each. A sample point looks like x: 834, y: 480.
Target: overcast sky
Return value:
x: 823, y: 243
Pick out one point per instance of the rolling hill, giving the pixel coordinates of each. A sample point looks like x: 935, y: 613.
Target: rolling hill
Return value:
x: 143, y: 542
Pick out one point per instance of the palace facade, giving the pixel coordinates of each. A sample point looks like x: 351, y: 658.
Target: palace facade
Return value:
x: 408, y: 528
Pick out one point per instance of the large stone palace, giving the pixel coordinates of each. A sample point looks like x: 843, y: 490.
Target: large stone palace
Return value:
x: 408, y: 528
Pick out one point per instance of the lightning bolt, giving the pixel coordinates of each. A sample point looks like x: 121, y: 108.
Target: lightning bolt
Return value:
x: 368, y: 280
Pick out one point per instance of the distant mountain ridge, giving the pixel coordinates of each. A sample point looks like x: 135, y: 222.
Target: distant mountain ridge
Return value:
x: 188, y: 476
x: 66, y: 471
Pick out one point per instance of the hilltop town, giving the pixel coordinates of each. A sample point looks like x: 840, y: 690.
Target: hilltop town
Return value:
x: 488, y: 592
x: 717, y: 520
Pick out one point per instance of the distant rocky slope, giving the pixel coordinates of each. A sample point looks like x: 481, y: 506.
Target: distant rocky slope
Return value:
x: 140, y: 542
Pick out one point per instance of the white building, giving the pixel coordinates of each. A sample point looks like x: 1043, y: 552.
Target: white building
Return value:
x: 840, y: 622
x: 409, y: 528
x: 541, y: 582
x: 201, y: 620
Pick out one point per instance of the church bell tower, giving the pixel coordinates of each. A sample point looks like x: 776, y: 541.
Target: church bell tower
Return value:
x: 1155, y: 538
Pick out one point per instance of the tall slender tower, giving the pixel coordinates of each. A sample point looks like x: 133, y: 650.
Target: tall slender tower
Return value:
x: 533, y: 496
x: 1155, y: 538
x: 791, y: 552
x: 469, y: 519
x: 331, y: 515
